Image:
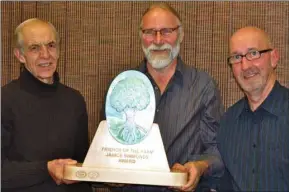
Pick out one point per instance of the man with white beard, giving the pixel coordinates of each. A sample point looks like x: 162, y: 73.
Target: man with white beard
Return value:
x: 188, y: 103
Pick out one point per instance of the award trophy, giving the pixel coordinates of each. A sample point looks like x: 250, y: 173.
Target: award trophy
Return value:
x: 127, y: 147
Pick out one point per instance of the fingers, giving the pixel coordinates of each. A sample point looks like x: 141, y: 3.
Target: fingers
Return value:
x: 192, y: 180
x: 178, y: 168
x: 68, y: 182
x: 196, y: 169
x: 66, y: 161
x: 194, y: 174
x: 56, y: 169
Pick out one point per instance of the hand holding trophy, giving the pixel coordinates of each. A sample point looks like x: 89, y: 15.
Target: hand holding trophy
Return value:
x: 127, y: 148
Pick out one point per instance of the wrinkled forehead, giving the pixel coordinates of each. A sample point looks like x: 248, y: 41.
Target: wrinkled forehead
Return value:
x: 244, y: 41
x: 159, y: 18
x: 38, y: 33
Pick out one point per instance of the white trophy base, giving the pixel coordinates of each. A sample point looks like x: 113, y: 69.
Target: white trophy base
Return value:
x: 126, y: 176
x: 109, y: 161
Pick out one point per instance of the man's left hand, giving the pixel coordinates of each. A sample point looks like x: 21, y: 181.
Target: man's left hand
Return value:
x: 195, y: 170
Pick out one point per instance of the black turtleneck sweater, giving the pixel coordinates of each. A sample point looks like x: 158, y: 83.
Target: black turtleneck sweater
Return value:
x: 39, y: 123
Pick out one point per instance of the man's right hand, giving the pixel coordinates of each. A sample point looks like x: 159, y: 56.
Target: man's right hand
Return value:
x: 56, y: 169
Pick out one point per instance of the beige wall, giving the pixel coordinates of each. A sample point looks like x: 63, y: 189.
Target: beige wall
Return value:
x: 100, y: 39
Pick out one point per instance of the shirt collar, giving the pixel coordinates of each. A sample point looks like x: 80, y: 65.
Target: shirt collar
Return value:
x: 275, y: 96
x: 179, y: 73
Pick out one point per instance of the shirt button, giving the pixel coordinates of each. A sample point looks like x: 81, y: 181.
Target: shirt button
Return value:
x: 158, y: 110
x: 156, y: 88
x: 254, y: 145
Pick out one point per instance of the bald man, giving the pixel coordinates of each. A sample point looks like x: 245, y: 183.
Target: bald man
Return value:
x: 43, y: 122
x: 254, y: 133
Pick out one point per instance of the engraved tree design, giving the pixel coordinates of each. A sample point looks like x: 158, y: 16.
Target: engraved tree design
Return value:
x: 129, y: 96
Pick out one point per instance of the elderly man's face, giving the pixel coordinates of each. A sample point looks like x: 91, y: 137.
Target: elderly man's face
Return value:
x: 252, y: 75
x: 160, y: 49
x: 40, y: 50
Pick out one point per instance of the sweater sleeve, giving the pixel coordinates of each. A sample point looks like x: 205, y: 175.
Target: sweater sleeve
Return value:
x: 20, y: 173
x: 82, y: 143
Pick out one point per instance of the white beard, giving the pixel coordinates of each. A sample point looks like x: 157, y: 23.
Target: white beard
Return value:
x: 161, y: 61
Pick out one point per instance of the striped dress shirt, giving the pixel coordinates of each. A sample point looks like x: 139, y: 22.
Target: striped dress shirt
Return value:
x: 255, y: 145
x: 188, y: 114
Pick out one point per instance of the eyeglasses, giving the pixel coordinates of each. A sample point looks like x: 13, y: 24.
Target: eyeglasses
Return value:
x: 251, y: 55
x: 165, y: 32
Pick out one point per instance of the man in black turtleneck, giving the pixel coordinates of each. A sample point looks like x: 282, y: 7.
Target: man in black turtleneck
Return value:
x: 43, y: 122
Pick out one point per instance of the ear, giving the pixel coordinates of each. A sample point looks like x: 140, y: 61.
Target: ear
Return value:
x: 274, y: 58
x: 58, y: 49
x: 181, y: 35
x: 19, y: 55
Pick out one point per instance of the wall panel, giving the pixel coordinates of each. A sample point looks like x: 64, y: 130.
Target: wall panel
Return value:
x: 100, y: 39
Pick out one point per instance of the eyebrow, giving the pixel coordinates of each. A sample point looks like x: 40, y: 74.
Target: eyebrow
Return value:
x: 249, y: 49
x: 38, y: 43
x: 33, y: 44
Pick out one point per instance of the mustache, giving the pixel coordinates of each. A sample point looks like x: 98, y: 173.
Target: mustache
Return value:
x: 250, y: 71
x: 163, y: 47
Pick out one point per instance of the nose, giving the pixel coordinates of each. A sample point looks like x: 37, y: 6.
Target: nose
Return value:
x: 245, y: 64
x: 158, y: 38
x: 44, y: 52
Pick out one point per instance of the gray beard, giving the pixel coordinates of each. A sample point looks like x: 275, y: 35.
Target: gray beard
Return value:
x: 160, y: 62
